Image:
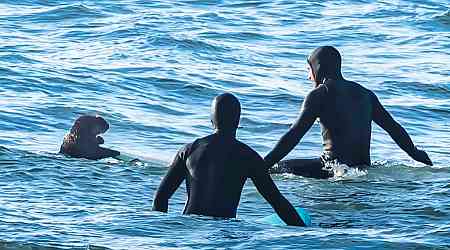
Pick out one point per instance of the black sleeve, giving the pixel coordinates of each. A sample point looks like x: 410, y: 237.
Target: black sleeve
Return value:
x: 310, y: 111
x: 381, y: 117
x: 174, y: 177
x: 267, y: 188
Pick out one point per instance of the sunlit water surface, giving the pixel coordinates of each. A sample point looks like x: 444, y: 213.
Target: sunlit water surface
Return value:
x: 151, y: 69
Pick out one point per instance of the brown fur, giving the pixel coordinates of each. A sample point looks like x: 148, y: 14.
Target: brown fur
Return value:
x: 83, y: 141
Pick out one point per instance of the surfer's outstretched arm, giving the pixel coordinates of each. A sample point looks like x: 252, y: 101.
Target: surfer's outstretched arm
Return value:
x: 267, y: 188
x: 381, y: 117
x: 310, y: 111
x: 174, y: 177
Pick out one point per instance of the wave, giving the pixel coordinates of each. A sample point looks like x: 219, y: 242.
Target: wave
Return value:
x: 17, y: 58
x: 443, y: 18
x: 240, y: 36
x: 51, y: 246
x: 61, y: 13
x: 247, y: 4
x: 185, y: 43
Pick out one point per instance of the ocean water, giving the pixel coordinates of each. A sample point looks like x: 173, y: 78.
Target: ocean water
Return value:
x: 151, y: 69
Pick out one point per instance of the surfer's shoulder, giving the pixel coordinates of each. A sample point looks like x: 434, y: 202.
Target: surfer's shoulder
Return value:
x: 248, y: 153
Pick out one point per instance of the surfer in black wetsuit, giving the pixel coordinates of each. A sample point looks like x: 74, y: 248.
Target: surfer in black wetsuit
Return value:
x: 216, y: 167
x: 345, y: 111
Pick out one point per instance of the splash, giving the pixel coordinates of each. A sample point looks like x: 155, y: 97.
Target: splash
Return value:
x: 342, y: 171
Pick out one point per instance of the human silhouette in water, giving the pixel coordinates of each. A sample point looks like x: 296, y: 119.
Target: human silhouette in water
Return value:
x: 216, y: 167
x: 345, y: 110
x: 83, y: 140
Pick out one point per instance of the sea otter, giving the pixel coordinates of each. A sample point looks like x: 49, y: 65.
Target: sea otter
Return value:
x: 83, y: 140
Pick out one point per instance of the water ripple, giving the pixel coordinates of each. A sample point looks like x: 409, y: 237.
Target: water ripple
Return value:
x: 151, y: 68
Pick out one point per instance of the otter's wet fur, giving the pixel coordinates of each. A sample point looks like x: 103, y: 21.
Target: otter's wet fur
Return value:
x: 83, y: 140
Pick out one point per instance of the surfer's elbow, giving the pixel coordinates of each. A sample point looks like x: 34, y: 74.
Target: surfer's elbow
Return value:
x: 160, y: 203
x: 161, y: 199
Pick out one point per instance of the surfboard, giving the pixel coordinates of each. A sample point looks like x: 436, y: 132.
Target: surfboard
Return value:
x: 275, y: 220
x: 126, y: 158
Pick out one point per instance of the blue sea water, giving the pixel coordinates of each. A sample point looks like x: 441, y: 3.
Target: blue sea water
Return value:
x: 151, y: 69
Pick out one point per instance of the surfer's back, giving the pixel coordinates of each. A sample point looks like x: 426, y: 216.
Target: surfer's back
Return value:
x: 346, y: 122
x: 217, y: 168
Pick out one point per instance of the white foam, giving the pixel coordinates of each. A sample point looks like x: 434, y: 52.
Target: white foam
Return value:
x: 342, y: 171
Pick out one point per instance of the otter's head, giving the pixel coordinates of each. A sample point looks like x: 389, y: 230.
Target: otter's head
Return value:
x: 83, y: 136
x: 89, y: 126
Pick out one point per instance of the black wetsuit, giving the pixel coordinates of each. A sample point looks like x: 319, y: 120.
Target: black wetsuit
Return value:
x: 215, y: 169
x: 345, y: 111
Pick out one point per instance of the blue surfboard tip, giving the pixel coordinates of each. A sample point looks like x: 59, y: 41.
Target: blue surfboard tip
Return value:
x: 304, y: 215
x: 276, y: 221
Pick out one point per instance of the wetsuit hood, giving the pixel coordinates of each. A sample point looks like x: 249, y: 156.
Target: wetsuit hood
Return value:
x: 325, y: 63
x: 225, y: 113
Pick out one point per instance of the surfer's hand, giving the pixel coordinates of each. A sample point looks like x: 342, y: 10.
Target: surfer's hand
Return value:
x: 100, y: 140
x: 422, y: 156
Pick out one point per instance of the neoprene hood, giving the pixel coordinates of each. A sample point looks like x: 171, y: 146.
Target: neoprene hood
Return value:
x: 225, y: 112
x: 325, y: 63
